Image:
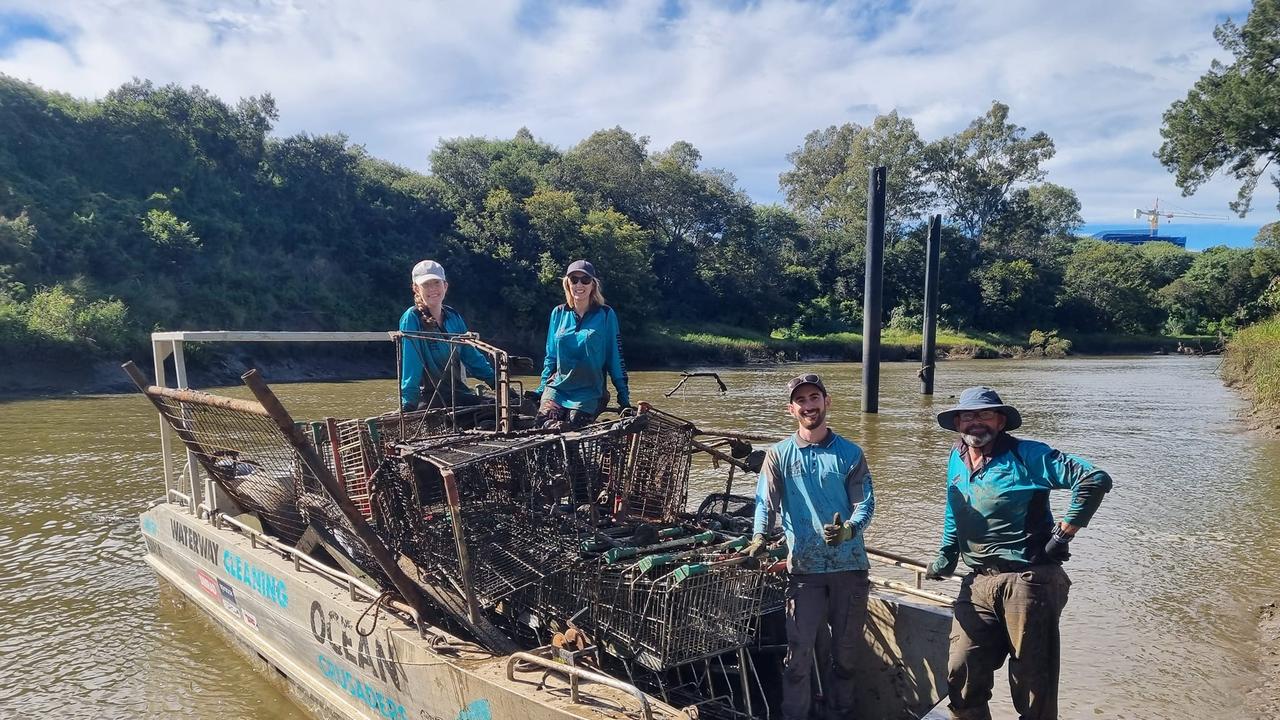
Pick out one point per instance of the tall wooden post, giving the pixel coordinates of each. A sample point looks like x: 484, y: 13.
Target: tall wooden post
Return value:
x: 928, y: 346
x: 872, y: 297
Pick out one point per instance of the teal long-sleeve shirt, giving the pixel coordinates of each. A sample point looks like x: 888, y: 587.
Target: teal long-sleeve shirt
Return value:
x: 418, y: 355
x: 1000, y: 512
x: 580, y: 353
x: 804, y: 484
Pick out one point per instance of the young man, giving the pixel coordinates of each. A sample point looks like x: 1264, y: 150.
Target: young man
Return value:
x: 812, y: 481
x: 999, y: 521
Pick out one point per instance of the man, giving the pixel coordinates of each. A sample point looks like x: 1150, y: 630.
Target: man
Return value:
x: 999, y: 521
x: 811, y: 481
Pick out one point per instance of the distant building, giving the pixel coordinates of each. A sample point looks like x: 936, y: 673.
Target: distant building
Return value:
x: 1138, y: 237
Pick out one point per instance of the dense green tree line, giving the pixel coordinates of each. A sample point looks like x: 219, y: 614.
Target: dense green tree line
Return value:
x: 167, y: 207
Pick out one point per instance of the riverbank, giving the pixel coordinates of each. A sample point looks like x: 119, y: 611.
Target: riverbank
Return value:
x: 71, y: 373
x: 717, y: 345
x: 1252, y: 365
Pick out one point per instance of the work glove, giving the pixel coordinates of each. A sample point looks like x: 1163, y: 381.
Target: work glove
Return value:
x: 1057, y: 549
x: 837, y: 532
x: 755, y: 549
x: 940, y: 568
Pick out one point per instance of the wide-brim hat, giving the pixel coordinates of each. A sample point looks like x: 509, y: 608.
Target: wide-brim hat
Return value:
x: 980, y: 398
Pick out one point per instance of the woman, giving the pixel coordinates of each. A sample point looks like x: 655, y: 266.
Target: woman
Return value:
x: 428, y: 373
x: 583, y: 345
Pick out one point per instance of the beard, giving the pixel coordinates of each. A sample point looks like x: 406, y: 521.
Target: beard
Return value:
x: 812, y: 421
x: 979, y: 438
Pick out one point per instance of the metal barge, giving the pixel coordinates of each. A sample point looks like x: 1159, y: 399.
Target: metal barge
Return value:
x: 475, y: 636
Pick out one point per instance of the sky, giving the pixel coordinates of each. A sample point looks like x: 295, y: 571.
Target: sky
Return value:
x: 744, y: 81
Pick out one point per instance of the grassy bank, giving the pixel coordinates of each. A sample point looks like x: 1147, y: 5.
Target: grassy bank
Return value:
x: 715, y: 344
x: 59, y: 373
x: 1252, y: 363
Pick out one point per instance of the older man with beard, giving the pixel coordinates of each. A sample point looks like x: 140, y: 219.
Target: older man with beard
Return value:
x: 999, y: 521
x: 811, y: 481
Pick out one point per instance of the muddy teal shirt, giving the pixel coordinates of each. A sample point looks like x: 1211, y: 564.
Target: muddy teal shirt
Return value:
x: 580, y: 353
x: 804, y: 484
x: 1000, y: 511
x: 419, y: 354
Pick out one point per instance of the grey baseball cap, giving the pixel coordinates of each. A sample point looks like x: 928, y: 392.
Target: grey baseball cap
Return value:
x: 806, y: 379
x: 428, y: 270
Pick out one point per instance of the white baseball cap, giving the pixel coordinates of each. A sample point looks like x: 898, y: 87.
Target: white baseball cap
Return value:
x: 428, y: 270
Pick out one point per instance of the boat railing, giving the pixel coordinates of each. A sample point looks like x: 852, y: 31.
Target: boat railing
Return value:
x: 526, y: 661
x: 200, y: 499
x: 885, y: 557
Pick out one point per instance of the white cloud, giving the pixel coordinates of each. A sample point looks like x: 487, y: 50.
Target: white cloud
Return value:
x: 744, y: 85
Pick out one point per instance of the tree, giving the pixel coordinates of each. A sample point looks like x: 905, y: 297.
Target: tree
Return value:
x: 1005, y: 285
x: 607, y: 169
x: 828, y: 181
x: 1230, y: 119
x: 975, y: 169
x: 1268, y: 236
x: 1216, y: 289
x: 1107, y: 286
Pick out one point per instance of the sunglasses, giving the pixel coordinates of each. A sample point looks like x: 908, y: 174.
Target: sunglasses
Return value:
x: 580, y: 280
x: 971, y: 415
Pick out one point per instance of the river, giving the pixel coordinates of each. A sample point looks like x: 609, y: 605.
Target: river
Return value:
x: 1161, y: 620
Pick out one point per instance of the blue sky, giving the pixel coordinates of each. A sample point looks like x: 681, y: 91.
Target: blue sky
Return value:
x: 743, y: 81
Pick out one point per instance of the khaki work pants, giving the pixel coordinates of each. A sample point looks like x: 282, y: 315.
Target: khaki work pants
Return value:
x: 1013, y: 614
x: 814, y: 600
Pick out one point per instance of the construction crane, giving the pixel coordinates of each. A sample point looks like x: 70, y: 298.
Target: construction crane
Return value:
x: 1154, y: 214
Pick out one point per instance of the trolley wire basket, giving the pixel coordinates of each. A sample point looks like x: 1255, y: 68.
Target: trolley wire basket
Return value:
x: 506, y: 526
x: 674, y: 615
x: 653, y: 478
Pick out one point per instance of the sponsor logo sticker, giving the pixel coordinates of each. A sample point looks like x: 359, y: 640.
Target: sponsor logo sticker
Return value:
x: 249, y: 618
x: 208, y: 584
x: 228, y: 597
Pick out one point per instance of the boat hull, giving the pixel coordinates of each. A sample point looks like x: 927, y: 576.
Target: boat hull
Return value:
x: 309, y: 629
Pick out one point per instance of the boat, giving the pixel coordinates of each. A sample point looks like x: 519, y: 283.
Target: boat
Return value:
x: 446, y: 563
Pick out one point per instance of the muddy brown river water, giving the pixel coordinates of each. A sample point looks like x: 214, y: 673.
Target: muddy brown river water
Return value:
x: 1161, y: 621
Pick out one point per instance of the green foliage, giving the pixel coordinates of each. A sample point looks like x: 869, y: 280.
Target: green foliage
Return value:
x: 1268, y: 236
x: 975, y: 169
x: 1108, y: 288
x: 56, y: 319
x: 163, y: 207
x: 168, y: 232
x: 1048, y: 344
x: 1228, y: 119
x: 1216, y: 291
x: 1252, y: 361
x: 1004, y: 286
x: 51, y: 314
x: 901, y: 322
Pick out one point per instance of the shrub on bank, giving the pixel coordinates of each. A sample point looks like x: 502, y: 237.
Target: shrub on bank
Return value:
x: 1252, y: 362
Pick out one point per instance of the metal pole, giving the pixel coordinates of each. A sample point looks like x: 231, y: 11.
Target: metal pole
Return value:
x: 160, y: 351
x: 928, y: 346
x: 408, y: 590
x: 874, y: 288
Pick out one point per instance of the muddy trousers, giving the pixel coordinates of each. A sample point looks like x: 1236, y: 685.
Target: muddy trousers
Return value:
x: 814, y: 600
x: 1014, y: 615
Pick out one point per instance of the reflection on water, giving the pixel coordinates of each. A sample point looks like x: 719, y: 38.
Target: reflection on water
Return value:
x: 1160, y: 622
